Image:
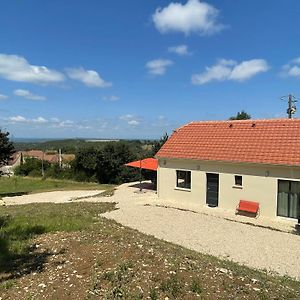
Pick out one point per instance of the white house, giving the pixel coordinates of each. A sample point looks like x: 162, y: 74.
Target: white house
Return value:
x: 220, y: 163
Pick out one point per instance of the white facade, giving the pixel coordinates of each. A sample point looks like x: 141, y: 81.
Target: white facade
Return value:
x: 259, y: 183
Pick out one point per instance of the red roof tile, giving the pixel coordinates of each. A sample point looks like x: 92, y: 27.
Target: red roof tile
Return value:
x: 275, y: 141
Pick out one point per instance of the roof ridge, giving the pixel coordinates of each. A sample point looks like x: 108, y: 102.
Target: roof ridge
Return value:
x: 244, y: 121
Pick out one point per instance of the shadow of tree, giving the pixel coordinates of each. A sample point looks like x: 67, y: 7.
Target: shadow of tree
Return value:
x: 14, y: 265
x: 13, y: 194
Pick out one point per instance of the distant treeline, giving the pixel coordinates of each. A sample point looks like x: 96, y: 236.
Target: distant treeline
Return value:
x: 73, y: 145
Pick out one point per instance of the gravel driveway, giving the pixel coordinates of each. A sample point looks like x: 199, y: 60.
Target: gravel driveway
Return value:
x: 53, y: 197
x: 255, y: 247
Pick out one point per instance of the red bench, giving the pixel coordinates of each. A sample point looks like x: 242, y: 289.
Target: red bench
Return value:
x: 248, y: 206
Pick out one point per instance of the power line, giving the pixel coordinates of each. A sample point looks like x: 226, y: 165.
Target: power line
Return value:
x: 291, y: 110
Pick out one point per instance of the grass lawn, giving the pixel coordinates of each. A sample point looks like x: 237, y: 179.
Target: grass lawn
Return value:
x: 68, y: 251
x: 23, y: 185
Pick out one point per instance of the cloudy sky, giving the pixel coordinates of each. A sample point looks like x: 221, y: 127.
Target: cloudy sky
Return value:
x: 136, y: 69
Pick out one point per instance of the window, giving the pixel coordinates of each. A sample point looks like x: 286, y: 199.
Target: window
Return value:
x: 288, y: 201
x: 183, y: 179
x: 238, y: 180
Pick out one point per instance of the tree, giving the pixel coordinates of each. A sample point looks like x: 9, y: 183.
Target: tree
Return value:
x: 111, y: 164
x: 241, y: 115
x: 158, y: 144
x: 6, y: 148
x: 85, y: 164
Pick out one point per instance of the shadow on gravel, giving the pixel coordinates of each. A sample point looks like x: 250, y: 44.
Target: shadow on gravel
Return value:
x: 145, y: 186
x: 297, y: 229
x: 16, y: 257
x: 13, y: 194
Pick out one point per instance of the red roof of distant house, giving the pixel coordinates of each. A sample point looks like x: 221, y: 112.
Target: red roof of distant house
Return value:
x: 52, y: 158
x: 147, y: 163
x: 275, y: 141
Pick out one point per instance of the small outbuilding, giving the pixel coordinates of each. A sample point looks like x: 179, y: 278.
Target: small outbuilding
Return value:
x: 249, y: 165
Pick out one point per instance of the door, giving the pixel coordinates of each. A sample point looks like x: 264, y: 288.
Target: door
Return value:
x: 288, y: 200
x: 212, y: 189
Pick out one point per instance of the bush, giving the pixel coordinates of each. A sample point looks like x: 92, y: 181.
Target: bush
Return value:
x: 31, y: 167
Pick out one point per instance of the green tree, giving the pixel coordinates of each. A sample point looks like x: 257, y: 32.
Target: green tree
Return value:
x: 6, y: 148
x: 111, y: 164
x: 85, y: 164
x: 241, y: 115
x: 158, y: 144
x: 32, y: 167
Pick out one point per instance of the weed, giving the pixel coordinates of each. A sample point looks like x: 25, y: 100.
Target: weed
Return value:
x: 153, y: 294
x: 7, y: 285
x: 172, y: 286
x: 196, y: 287
x: 108, y: 276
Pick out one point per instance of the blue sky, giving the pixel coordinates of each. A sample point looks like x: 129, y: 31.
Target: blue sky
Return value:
x: 136, y: 69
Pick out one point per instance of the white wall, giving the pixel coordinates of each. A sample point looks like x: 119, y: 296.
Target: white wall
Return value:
x: 259, y: 183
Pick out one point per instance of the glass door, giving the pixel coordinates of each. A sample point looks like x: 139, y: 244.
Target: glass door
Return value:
x: 288, y: 201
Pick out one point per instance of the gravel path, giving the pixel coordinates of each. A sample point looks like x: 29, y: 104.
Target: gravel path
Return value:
x: 53, y: 197
x: 255, y: 247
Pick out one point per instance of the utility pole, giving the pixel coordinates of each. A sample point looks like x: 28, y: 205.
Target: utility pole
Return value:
x: 59, y: 158
x: 291, y: 105
x: 43, y: 171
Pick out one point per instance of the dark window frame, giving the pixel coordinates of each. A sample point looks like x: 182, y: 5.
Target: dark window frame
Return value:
x: 238, y: 180
x: 186, y: 176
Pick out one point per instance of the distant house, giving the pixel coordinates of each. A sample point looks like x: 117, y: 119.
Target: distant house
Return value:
x: 52, y: 158
x: 220, y: 163
x: 12, y: 164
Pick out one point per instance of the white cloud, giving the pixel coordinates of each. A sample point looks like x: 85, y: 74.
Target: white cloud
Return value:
x: 130, y: 119
x: 133, y: 122
x: 18, y: 119
x: 17, y: 68
x: 3, y: 97
x: 158, y: 66
x: 51, y: 123
x: 40, y: 120
x: 180, y: 50
x: 88, y: 77
x: 111, y: 98
x: 62, y: 124
x: 21, y: 119
x: 28, y: 95
x: 248, y: 69
x: 292, y: 69
x: 231, y: 70
x: 126, y: 117
x: 193, y: 17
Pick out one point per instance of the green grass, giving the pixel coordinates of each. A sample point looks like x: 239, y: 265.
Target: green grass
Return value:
x: 18, y: 224
x: 20, y: 185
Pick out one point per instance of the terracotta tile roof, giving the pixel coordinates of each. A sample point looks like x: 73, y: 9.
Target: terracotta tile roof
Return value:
x: 51, y: 158
x: 38, y: 154
x: 275, y: 141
